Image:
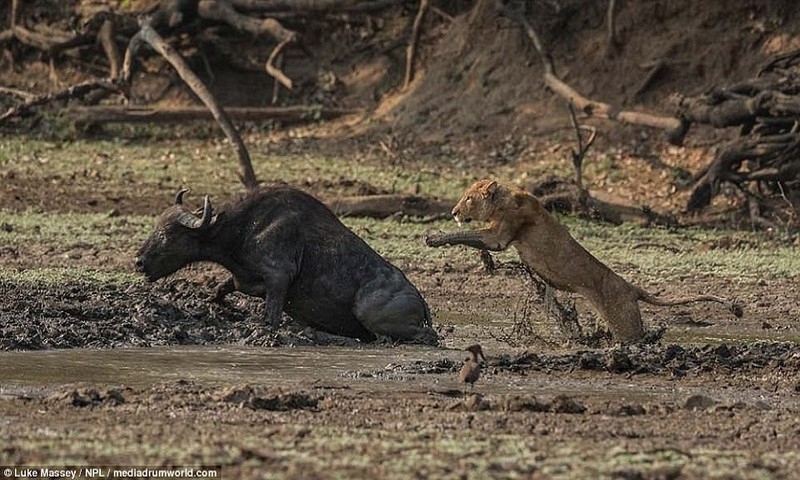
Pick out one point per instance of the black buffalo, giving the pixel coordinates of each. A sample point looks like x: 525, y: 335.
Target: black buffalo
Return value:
x: 286, y: 246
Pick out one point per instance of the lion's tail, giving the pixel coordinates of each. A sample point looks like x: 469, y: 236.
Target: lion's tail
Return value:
x: 734, y: 306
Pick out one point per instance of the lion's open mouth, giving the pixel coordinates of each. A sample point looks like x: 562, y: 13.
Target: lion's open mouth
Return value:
x: 460, y: 221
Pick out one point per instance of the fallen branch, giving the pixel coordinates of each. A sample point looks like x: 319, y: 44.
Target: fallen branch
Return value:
x: 382, y: 206
x: 655, y: 70
x: 149, y: 35
x: 138, y: 114
x: 75, y: 91
x: 774, y: 158
x: 222, y: 10
x: 14, y: 92
x: 562, y: 196
x: 39, y: 40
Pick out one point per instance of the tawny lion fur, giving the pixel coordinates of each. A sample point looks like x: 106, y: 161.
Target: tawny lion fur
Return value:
x: 516, y: 218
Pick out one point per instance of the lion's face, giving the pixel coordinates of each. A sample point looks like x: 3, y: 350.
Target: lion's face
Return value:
x: 476, y: 203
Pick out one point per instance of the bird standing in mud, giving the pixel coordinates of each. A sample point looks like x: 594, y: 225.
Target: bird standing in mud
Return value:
x: 471, y: 370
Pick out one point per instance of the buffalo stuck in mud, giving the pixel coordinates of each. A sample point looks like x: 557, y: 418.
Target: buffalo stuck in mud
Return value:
x: 287, y: 247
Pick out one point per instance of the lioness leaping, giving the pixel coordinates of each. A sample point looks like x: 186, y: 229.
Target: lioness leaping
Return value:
x: 517, y: 218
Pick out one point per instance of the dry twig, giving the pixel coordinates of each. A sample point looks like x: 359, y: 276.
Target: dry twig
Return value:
x: 578, y: 156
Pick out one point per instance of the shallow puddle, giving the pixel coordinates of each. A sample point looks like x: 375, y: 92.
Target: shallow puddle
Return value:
x: 207, y: 364
x: 373, y: 369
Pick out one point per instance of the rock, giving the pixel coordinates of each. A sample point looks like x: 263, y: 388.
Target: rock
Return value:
x: 699, y: 402
x: 762, y: 405
x: 590, y: 361
x: 238, y: 395
x: 88, y: 397
x: 519, y: 403
x: 630, y: 410
x: 247, y: 396
x: 565, y: 404
x: 722, y: 351
x: 619, y: 362
x: 476, y: 402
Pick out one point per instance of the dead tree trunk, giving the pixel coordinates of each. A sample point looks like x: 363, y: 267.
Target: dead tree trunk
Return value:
x: 764, y: 162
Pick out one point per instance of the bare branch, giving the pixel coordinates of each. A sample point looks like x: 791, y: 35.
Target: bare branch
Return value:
x: 149, y: 35
x: 411, y: 50
x: 223, y: 11
x: 14, y: 13
x: 106, y: 38
x: 656, y: 70
x: 577, y: 157
x: 613, y: 41
x: 276, y: 72
x: 75, y: 91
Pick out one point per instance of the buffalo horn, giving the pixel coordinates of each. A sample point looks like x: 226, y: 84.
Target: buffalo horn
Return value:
x: 179, y: 196
x: 207, y: 212
x: 190, y: 220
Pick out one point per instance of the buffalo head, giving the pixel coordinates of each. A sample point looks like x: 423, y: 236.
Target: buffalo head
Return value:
x: 176, y: 241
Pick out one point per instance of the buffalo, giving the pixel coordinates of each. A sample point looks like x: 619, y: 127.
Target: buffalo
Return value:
x: 285, y: 246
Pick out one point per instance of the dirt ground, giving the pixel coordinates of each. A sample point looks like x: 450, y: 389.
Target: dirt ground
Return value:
x: 717, y: 397
x: 100, y: 368
x: 662, y: 412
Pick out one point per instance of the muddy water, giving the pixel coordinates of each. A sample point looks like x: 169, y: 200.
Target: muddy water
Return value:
x: 284, y: 366
x: 375, y: 369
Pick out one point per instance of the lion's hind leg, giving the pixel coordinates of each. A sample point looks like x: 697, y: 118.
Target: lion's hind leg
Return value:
x: 623, y: 318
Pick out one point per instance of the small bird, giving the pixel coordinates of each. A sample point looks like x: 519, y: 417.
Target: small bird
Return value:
x: 471, y: 370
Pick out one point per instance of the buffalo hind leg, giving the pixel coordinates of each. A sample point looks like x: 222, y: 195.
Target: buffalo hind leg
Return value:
x: 397, y: 317
x: 275, y: 287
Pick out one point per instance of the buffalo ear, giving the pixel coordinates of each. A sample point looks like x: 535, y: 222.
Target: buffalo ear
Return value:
x: 216, y: 217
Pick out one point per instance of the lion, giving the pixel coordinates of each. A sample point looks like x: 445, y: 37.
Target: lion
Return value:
x: 516, y: 218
